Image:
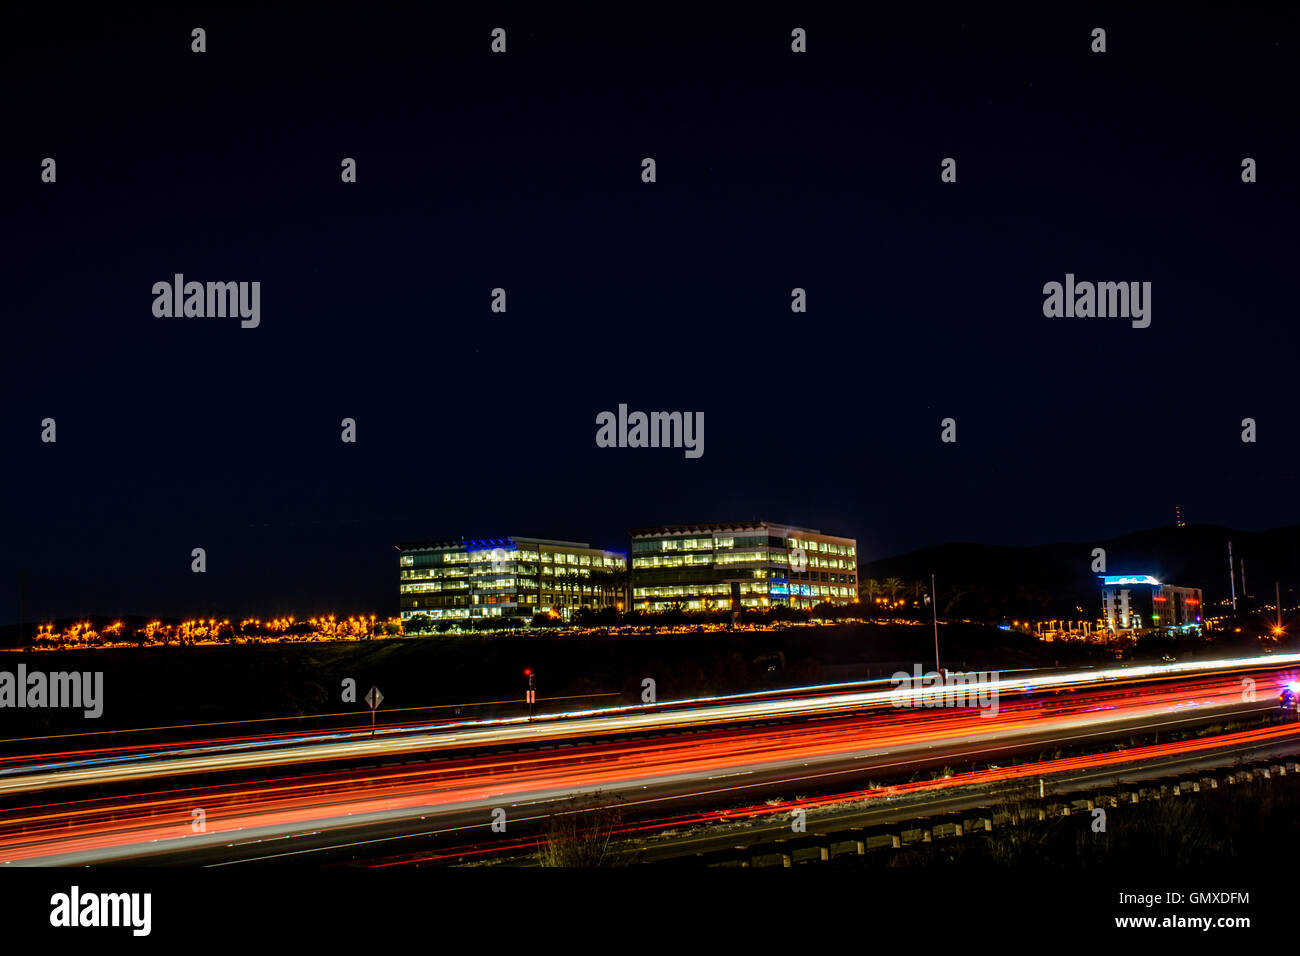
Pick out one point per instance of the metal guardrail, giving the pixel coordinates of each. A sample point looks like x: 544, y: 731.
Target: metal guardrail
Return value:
x: 884, y: 838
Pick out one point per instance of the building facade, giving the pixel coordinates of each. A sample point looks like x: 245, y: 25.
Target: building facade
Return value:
x: 756, y: 563
x: 515, y: 577
x: 1141, y: 602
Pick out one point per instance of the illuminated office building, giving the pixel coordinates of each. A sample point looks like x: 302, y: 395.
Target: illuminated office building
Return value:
x: 756, y: 563
x: 1140, y: 602
x: 513, y: 577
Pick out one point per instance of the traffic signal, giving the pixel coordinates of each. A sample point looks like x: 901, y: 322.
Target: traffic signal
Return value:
x: 530, y: 695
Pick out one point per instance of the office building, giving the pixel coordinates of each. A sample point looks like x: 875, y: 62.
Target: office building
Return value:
x: 514, y: 577
x: 754, y: 564
x: 1141, y: 602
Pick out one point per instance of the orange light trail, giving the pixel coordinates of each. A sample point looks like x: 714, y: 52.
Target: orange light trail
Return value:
x: 103, y: 828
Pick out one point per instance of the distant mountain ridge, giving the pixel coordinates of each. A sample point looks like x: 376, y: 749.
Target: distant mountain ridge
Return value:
x: 1058, y: 578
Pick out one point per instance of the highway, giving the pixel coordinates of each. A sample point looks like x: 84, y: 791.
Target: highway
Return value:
x: 342, y: 796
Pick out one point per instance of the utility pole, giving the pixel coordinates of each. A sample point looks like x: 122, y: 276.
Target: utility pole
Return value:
x: 934, y: 607
x: 1232, y: 579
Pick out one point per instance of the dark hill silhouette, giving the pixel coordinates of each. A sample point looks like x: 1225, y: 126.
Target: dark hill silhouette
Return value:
x: 1054, y: 580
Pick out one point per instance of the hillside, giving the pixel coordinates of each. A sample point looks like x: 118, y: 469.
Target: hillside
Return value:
x: 1053, y: 580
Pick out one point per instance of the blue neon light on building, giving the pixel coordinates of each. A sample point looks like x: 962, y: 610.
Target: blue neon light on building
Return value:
x: 1130, y: 579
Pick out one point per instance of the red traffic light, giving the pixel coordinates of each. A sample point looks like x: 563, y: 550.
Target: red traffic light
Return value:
x: 528, y: 672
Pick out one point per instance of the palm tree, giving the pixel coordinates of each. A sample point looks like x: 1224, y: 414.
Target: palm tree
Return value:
x: 599, y: 587
x: 573, y: 581
x: 608, y: 583
x: 893, y: 586
x: 620, y: 580
x: 870, y: 589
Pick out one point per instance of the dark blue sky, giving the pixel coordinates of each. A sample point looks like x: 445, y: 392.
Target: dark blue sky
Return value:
x: 522, y: 171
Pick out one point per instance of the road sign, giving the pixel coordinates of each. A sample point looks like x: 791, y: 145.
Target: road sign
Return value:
x: 374, y: 699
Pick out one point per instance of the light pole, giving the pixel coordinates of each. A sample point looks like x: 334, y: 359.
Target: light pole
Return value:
x: 934, y: 607
x: 1277, y: 590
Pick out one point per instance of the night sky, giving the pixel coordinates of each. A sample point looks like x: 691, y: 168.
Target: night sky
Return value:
x: 523, y: 171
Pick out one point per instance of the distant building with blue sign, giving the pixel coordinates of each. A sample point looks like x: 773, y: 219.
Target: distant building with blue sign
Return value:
x: 1142, y: 602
